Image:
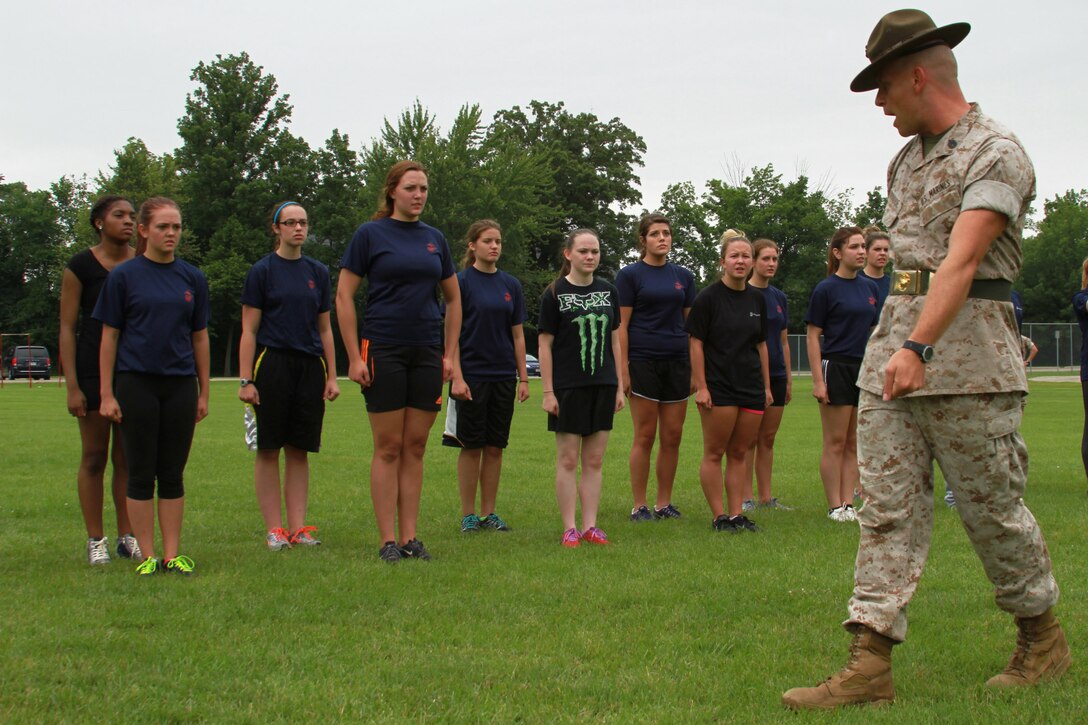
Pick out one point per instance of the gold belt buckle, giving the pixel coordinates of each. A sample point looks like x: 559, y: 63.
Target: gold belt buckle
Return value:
x: 910, y: 282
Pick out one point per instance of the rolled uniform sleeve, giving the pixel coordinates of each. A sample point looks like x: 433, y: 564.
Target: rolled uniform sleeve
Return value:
x: 1001, y: 180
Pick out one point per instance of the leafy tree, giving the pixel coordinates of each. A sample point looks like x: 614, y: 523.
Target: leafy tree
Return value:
x: 1053, y: 258
x: 34, y: 243
x: 340, y: 200
x: 237, y: 160
x: 593, y: 166
x: 138, y: 174
x: 872, y: 211
x: 762, y: 205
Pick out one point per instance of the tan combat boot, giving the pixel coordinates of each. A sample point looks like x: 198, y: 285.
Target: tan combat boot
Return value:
x: 1041, y: 653
x: 866, y: 678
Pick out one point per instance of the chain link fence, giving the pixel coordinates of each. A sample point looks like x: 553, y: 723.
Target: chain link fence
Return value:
x: 1058, y: 343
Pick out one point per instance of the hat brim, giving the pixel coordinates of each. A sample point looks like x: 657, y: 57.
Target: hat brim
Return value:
x: 950, y: 35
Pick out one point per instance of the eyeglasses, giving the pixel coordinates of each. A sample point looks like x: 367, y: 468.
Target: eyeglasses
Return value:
x: 292, y: 223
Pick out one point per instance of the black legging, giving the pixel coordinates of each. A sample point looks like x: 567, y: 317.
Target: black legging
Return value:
x: 1084, y: 433
x: 158, y: 415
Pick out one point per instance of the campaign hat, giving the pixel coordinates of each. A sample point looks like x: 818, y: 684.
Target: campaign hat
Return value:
x: 901, y: 33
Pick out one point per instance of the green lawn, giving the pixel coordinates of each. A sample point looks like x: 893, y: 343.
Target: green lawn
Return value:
x: 670, y: 623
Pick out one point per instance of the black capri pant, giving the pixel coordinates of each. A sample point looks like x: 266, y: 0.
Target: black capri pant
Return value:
x: 158, y: 416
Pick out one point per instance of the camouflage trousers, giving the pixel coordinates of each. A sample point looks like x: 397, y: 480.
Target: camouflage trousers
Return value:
x: 976, y: 440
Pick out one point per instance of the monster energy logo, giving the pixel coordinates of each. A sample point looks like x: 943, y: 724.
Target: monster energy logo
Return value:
x: 592, y: 332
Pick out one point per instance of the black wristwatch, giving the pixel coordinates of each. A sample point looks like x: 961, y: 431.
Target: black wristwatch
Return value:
x: 924, y: 352
x: 243, y: 382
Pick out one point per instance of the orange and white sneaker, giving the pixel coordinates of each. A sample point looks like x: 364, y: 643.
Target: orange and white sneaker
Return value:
x: 277, y: 539
x: 302, y: 537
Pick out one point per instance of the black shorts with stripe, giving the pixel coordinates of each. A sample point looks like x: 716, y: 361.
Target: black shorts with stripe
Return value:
x: 402, y: 376
x: 291, y: 386
x: 841, y: 378
x: 662, y: 381
x: 484, y: 420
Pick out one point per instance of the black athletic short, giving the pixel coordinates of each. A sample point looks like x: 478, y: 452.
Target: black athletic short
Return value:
x: 584, y: 411
x: 402, y: 376
x: 92, y: 391
x: 724, y: 399
x: 778, y: 392
x: 291, y: 386
x: 662, y: 381
x: 841, y: 378
x: 484, y: 420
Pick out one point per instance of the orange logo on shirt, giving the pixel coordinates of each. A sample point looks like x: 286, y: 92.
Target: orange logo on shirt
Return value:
x: 311, y: 283
x: 431, y: 248
x: 188, y: 296
x: 507, y: 297
x: 679, y: 286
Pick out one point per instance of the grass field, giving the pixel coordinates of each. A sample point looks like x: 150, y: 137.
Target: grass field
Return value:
x: 670, y: 623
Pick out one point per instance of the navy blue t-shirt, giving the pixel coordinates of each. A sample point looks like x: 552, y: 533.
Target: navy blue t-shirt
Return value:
x: 883, y: 287
x: 403, y: 262
x: 731, y: 324
x: 157, y: 308
x: 657, y: 297
x: 1079, y: 300
x: 846, y: 310
x: 492, y: 304
x: 290, y: 293
x: 582, y: 320
x: 778, y: 319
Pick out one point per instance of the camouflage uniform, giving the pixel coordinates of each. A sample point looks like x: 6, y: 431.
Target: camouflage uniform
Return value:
x: 967, y: 417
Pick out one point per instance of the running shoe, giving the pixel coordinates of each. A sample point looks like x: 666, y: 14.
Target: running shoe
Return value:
x: 743, y: 523
x: 774, y: 503
x: 303, y: 537
x: 127, y: 548
x: 180, y: 565
x: 641, y: 514
x: 98, y: 551
x: 470, y: 524
x: 415, y: 549
x: 748, y: 505
x: 493, y: 522
x: 848, y: 513
x: 148, y: 566
x: 950, y: 498
x: 667, y: 512
x: 390, y: 553
x: 724, y: 523
x: 593, y: 535
x: 277, y: 539
x: 836, y: 514
x: 572, y: 538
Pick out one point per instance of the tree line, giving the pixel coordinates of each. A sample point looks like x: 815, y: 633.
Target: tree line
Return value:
x: 540, y: 170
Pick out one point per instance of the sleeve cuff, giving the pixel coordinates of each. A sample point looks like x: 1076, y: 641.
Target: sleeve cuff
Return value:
x: 994, y: 196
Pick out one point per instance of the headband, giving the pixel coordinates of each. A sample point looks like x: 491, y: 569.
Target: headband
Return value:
x: 276, y: 216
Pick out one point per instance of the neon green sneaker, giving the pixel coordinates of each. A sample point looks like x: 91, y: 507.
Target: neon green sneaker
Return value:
x: 148, y: 566
x: 180, y: 565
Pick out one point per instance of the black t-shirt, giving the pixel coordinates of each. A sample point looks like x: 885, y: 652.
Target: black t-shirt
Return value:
x: 582, y: 320
x: 731, y: 325
x: 92, y: 276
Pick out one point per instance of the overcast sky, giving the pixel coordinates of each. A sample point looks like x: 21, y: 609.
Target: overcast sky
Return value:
x: 706, y: 84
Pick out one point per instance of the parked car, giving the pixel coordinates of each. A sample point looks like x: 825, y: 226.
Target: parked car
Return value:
x: 532, y: 366
x: 29, y: 361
